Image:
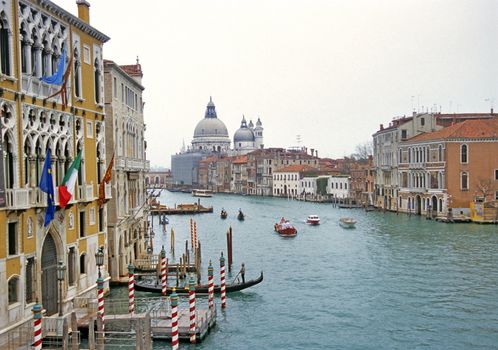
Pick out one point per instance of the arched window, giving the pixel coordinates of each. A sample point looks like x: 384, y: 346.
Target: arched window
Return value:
x: 82, y: 264
x: 8, y: 161
x: 464, y: 154
x: 440, y: 205
x: 440, y: 153
x: 464, y: 180
x: 71, y: 268
x: 97, y: 81
x: 4, y: 44
x: 13, y: 290
x: 77, y: 73
x: 25, y: 49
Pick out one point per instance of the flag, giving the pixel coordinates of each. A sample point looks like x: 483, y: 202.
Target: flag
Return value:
x: 58, y: 77
x: 47, y: 186
x: 105, y: 180
x: 66, y: 190
x: 63, y: 91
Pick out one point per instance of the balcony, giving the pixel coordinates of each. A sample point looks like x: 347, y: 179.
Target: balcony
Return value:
x: 147, y: 165
x: 120, y: 162
x: 108, y: 191
x: 38, y: 198
x: 85, y: 193
x: 18, y: 198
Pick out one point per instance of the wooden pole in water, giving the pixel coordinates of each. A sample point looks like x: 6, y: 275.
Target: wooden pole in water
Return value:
x: 231, y: 251
x: 131, y: 289
x: 222, y: 277
x: 178, y: 272
x: 174, y: 320
x: 147, y: 340
x: 186, y: 250
x: 163, y: 273
x: 172, y: 241
x: 138, y: 334
x: 191, y: 232
x: 228, y: 250
x: 37, y: 323
x: 210, y: 286
x: 65, y: 334
x: 194, y: 241
x: 191, y: 301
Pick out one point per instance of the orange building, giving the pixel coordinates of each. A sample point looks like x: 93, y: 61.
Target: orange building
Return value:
x: 442, y: 172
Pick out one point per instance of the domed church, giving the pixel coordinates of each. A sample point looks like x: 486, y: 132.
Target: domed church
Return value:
x: 211, y: 134
x: 247, y: 138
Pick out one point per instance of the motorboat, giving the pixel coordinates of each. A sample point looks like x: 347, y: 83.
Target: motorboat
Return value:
x: 285, y: 228
x: 347, y: 222
x: 223, y: 214
x: 202, y: 193
x: 313, y: 220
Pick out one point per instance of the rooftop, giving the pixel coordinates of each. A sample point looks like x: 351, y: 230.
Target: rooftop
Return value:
x: 469, y: 129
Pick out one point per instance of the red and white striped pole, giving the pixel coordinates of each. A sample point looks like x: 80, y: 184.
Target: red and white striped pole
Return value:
x: 191, y: 302
x: 131, y: 289
x: 222, y: 276
x: 100, y: 297
x: 210, y: 286
x: 164, y: 282
x: 37, y: 316
x: 194, y: 243
x: 174, y: 320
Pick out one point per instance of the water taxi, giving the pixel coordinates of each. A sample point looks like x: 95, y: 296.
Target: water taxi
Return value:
x: 285, y: 228
x: 313, y: 220
x: 202, y: 193
x: 347, y: 222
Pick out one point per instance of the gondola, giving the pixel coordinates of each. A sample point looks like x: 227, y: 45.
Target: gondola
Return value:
x: 223, y: 214
x: 151, y: 286
x: 241, y: 216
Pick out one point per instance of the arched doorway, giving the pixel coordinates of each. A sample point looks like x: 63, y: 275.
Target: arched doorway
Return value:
x: 434, y: 206
x: 50, y: 296
x: 418, y: 205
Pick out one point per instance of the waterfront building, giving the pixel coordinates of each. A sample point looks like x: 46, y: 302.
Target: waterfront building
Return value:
x: 286, y: 180
x: 158, y: 178
x: 362, y: 181
x: 125, y: 127
x: 338, y: 186
x: 239, y: 175
x: 35, y: 37
x: 386, y: 143
x: 448, y: 169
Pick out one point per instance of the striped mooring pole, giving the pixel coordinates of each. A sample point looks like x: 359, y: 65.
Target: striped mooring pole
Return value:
x: 194, y: 243
x: 100, y: 297
x: 37, y: 316
x: 131, y: 289
x: 174, y: 320
x: 210, y: 286
x: 222, y: 276
x: 163, y: 272
x: 191, y: 301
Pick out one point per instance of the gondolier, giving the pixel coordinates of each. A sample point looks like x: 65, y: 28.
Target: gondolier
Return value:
x: 242, y: 273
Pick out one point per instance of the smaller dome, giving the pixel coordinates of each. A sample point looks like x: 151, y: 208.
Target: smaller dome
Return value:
x: 244, y: 134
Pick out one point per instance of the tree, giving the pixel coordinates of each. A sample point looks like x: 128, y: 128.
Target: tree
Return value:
x: 485, y: 187
x: 363, y: 151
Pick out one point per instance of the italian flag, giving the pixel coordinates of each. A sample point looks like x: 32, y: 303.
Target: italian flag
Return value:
x: 66, y: 190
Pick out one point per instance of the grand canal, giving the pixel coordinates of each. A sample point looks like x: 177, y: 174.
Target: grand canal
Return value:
x: 394, y: 282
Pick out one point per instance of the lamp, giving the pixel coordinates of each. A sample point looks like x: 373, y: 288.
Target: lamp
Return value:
x: 99, y: 259
x: 61, y: 273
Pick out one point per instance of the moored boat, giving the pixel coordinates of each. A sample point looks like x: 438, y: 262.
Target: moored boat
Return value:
x: 154, y: 286
x: 313, y: 220
x: 202, y: 193
x: 285, y: 228
x: 347, y: 222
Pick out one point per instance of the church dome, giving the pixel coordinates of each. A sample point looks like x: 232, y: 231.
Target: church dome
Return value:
x: 244, y: 134
x: 210, y: 126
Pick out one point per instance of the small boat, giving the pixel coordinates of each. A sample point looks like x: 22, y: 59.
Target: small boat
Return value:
x: 154, y: 286
x: 285, y: 228
x: 164, y: 221
x: 223, y: 214
x: 347, y: 222
x: 313, y: 220
x: 241, y: 216
x: 202, y: 193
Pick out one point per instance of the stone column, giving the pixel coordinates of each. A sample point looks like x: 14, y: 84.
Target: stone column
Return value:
x: 38, y: 61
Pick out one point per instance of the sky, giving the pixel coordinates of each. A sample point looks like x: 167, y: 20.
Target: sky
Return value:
x: 328, y: 71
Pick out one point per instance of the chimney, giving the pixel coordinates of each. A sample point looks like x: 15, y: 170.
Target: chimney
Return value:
x: 316, y: 152
x: 491, y: 110
x: 83, y: 10
x: 381, y: 126
x: 312, y: 151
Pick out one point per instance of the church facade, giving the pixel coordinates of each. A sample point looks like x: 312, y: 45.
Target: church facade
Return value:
x: 211, y: 138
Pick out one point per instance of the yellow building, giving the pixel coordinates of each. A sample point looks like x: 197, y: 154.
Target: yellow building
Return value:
x: 33, y: 36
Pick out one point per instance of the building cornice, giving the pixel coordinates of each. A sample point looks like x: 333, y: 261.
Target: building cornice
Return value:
x: 72, y: 20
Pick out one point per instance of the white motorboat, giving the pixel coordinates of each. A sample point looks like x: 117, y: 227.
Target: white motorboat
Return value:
x: 347, y: 222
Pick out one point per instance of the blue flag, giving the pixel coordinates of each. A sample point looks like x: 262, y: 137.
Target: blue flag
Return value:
x: 58, y: 77
x: 47, y: 186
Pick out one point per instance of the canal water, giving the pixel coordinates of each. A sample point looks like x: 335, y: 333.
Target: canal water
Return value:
x: 393, y: 282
